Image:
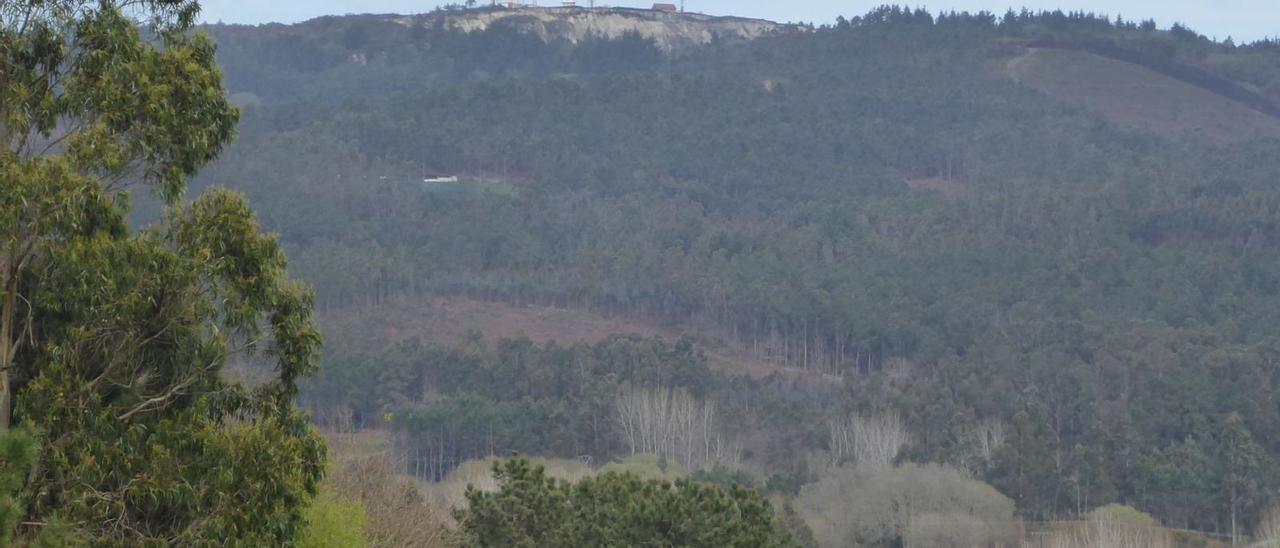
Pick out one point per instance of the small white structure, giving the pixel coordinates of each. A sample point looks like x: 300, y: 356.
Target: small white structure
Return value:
x: 450, y: 179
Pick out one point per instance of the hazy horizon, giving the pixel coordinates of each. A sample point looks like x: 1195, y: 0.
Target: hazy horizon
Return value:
x: 1244, y: 20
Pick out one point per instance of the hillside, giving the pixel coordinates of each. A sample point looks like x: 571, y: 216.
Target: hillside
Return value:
x: 1139, y: 98
x: 329, y: 58
x: 938, y: 218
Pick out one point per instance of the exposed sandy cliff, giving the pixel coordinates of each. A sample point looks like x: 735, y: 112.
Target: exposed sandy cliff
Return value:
x: 669, y: 30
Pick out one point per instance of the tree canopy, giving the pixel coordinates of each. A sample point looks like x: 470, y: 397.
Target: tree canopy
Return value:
x: 530, y: 509
x: 112, y: 339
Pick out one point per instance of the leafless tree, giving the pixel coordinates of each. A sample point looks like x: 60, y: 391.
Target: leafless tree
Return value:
x: 991, y: 437
x: 1267, y: 533
x: 868, y: 440
x: 673, y: 424
x: 1110, y: 533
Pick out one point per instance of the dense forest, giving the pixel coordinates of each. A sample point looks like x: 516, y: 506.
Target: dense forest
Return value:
x: 875, y: 201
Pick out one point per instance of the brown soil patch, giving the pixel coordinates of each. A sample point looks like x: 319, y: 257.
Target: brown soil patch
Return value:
x: 944, y: 185
x: 449, y: 320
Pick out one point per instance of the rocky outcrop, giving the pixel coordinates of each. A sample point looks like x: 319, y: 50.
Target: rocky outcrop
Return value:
x: 670, y: 31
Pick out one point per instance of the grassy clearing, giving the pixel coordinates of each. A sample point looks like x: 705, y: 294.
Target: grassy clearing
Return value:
x: 1139, y: 98
x: 497, y: 187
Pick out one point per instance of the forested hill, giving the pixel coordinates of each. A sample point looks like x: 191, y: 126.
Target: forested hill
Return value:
x: 1060, y: 223
x: 405, y: 52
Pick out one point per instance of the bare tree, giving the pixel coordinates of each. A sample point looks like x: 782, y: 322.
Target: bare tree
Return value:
x: 1111, y: 533
x: 1267, y: 532
x: 868, y: 440
x: 991, y: 437
x: 673, y: 424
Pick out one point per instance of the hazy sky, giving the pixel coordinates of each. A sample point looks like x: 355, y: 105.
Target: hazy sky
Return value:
x: 1242, y: 19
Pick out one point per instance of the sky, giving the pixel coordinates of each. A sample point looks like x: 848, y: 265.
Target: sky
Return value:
x: 1244, y: 20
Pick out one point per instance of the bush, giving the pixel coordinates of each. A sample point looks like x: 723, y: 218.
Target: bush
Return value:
x: 945, y: 530
x: 333, y: 522
x: 398, y: 515
x: 878, y: 505
x: 646, y: 466
x: 18, y: 453
x: 1122, y: 515
x: 1115, y: 526
x: 725, y: 477
x: 450, y: 492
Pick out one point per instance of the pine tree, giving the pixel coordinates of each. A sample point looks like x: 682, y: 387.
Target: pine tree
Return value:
x: 531, y: 509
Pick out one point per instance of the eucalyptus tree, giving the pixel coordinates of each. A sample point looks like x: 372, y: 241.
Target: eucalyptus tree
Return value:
x: 112, y: 342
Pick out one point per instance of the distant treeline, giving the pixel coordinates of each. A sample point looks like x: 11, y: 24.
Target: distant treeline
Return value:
x: 593, y: 402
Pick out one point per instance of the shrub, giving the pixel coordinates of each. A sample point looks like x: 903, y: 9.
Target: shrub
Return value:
x: 944, y: 530
x: 878, y: 505
x: 1122, y: 515
x: 1114, y: 526
x: 333, y: 522
x: 726, y: 477
x: 646, y: 466
x: 398, y: 515
x: 450, y: 492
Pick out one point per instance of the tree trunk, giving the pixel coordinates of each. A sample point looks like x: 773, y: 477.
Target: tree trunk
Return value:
x: 8, y: 346
x: 1235, y: 538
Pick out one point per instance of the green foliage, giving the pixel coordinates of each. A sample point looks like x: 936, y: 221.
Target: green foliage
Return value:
x: 1247, y: 475
x: 333, y: 522
x: 148, y: 417
x: 790, y: 522
x: 1025, y: 469
x: 112, y: 342
x: 311, y: 62
x: 472, y: 402
x: 789, y: 481
x: 725, y: 477
x: 531, y: 509
x: 451, y: 492
x: 651, y: 467
x: 18, y: 454
x: 1184, y: 470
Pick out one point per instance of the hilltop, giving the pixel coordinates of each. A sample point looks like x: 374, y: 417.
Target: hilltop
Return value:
x: 669, y: 31
x: 357, y: 55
